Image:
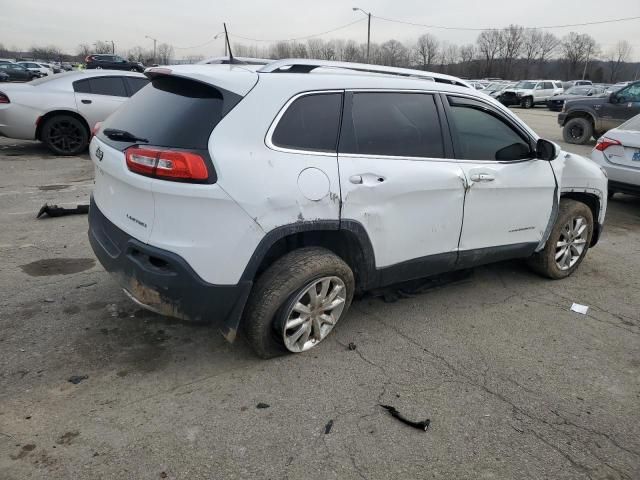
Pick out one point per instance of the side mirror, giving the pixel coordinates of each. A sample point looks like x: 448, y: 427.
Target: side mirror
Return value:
x: 545, y: 150
x: 613, y: 98
x: 589, y: 94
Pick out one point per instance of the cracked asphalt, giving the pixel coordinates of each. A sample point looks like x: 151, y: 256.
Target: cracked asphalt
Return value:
x: 515, y: 385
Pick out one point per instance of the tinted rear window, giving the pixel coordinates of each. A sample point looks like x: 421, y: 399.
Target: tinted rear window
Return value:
x: 393, y: 124
x: 310, y: 123
x: 172, y: 112
x: 136, y: 84
x: 112, y: 86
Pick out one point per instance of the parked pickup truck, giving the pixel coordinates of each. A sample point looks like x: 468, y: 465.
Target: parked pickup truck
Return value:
x: 584, y: 118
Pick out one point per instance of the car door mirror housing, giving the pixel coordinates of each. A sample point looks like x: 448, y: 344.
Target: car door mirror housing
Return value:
x: 613, y: 98
x: 546, y: 150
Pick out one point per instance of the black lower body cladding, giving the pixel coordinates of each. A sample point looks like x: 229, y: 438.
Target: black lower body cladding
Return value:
x: 163, y: 281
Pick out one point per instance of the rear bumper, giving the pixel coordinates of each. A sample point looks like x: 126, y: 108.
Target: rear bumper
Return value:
x: 162, y: 281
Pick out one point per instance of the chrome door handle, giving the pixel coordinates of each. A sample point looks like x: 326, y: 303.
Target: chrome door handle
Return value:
x: 355, y: 179
x: 482, y: 177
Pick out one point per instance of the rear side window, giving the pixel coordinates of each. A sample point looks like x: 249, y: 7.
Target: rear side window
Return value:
x: 310, y: 123
x: 136, y: 84
x: 113, y: 86
x: 81, y: 86
x: 172, y: 112
x: 393, y: 124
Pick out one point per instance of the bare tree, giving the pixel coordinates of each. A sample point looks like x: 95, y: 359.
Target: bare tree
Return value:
x: 576, y: 49
x: 298, y: 50
x: 489, y: 45
x: 548, y: 45
x: 84, y: 50
x: 164, y: 53
x: 102, y: 47
x: 531, y: 44
x: 281, y: 50
x: 512, y: 42
x: 314, y: 46
x: 616, y: 57
x: 426, y: 50
x: 351, y: 52
x: 328, y: 51
x: 393, y: 53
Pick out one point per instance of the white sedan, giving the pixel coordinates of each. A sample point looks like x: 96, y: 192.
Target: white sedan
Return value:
x: 618, y: 152
x: 61, y: 110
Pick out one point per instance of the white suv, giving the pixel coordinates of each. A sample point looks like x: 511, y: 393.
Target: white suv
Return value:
x: 263, y: 197
x: 528, y: 93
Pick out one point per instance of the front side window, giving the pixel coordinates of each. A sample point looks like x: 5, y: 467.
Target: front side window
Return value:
x: 483, y: 135
x: 548, y: 85
x: 393, y: 124
x: 525, y: 85
x: 630, y: 93
x: 310, y: 123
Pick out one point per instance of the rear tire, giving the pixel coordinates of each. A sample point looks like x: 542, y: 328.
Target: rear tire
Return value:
x: 565, y: 248
x: 577, y: 131
x: 280, y: 291
x: 65, y: 135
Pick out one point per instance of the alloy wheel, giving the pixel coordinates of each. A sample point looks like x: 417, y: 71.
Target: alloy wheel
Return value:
x: 66, y: 136
x: 314, y: 313
x: 572, y: 242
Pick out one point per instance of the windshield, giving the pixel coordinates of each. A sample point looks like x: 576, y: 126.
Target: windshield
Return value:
x: 578, y: 91
x: 525, y: 85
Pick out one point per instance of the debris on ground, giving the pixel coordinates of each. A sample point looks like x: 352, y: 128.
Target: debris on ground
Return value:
x: 56, y: 211
x: 263, y: 405
x: 424, y: 425
x: 328, y: 427
x: 352, y: 346
x: 576, y: 307
x: 76, y: 379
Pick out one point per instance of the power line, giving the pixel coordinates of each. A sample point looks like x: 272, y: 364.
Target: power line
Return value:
x: 299, y: 38
x: 475, y: 29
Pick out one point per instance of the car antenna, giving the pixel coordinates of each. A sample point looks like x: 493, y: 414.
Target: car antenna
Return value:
x: 226, y: 39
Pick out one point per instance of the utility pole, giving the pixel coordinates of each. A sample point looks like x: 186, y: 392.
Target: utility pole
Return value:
x: 154, y: 47
x: 368, y: 14
x: 584, y: 72
x: 113, y: 46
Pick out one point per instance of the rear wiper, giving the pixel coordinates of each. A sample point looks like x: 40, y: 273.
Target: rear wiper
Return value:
x: 122, y: 135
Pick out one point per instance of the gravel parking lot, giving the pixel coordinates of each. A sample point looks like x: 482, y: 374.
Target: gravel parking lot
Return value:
x: 515, y: 385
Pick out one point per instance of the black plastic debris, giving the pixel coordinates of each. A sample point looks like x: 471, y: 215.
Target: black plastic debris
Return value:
x: 263, y: 405
x: 76, y: 379
x: 56, y: 211
x: 328, y: 427
x: 352, y: 346
x: 424, y: 425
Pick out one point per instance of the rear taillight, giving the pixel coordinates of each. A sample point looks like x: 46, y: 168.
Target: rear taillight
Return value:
x: 96, y: 129
x: 604, y: 143
x: 87, y: 59
x: 4, y: 98
x: 167, y: 164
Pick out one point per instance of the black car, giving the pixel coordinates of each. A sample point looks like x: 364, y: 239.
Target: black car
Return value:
x: 4, y: 77
x: 588, y: 117
x: 112, y: 62
x: 556, y: 102
x: 18, y: 73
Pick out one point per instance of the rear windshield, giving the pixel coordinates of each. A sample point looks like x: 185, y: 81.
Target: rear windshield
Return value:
x: 171, y: 112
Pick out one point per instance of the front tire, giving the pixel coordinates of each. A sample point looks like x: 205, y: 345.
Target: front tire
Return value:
x: 577, y: 131
x: 527, y: 102
x: 297, y: 301
x: 65, y: 135
x: 568, y: 243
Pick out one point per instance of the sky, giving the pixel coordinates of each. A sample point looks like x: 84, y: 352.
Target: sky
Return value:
x: 192, y: 23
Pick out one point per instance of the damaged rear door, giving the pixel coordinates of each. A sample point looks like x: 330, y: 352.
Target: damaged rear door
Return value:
x: 399, y: 182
